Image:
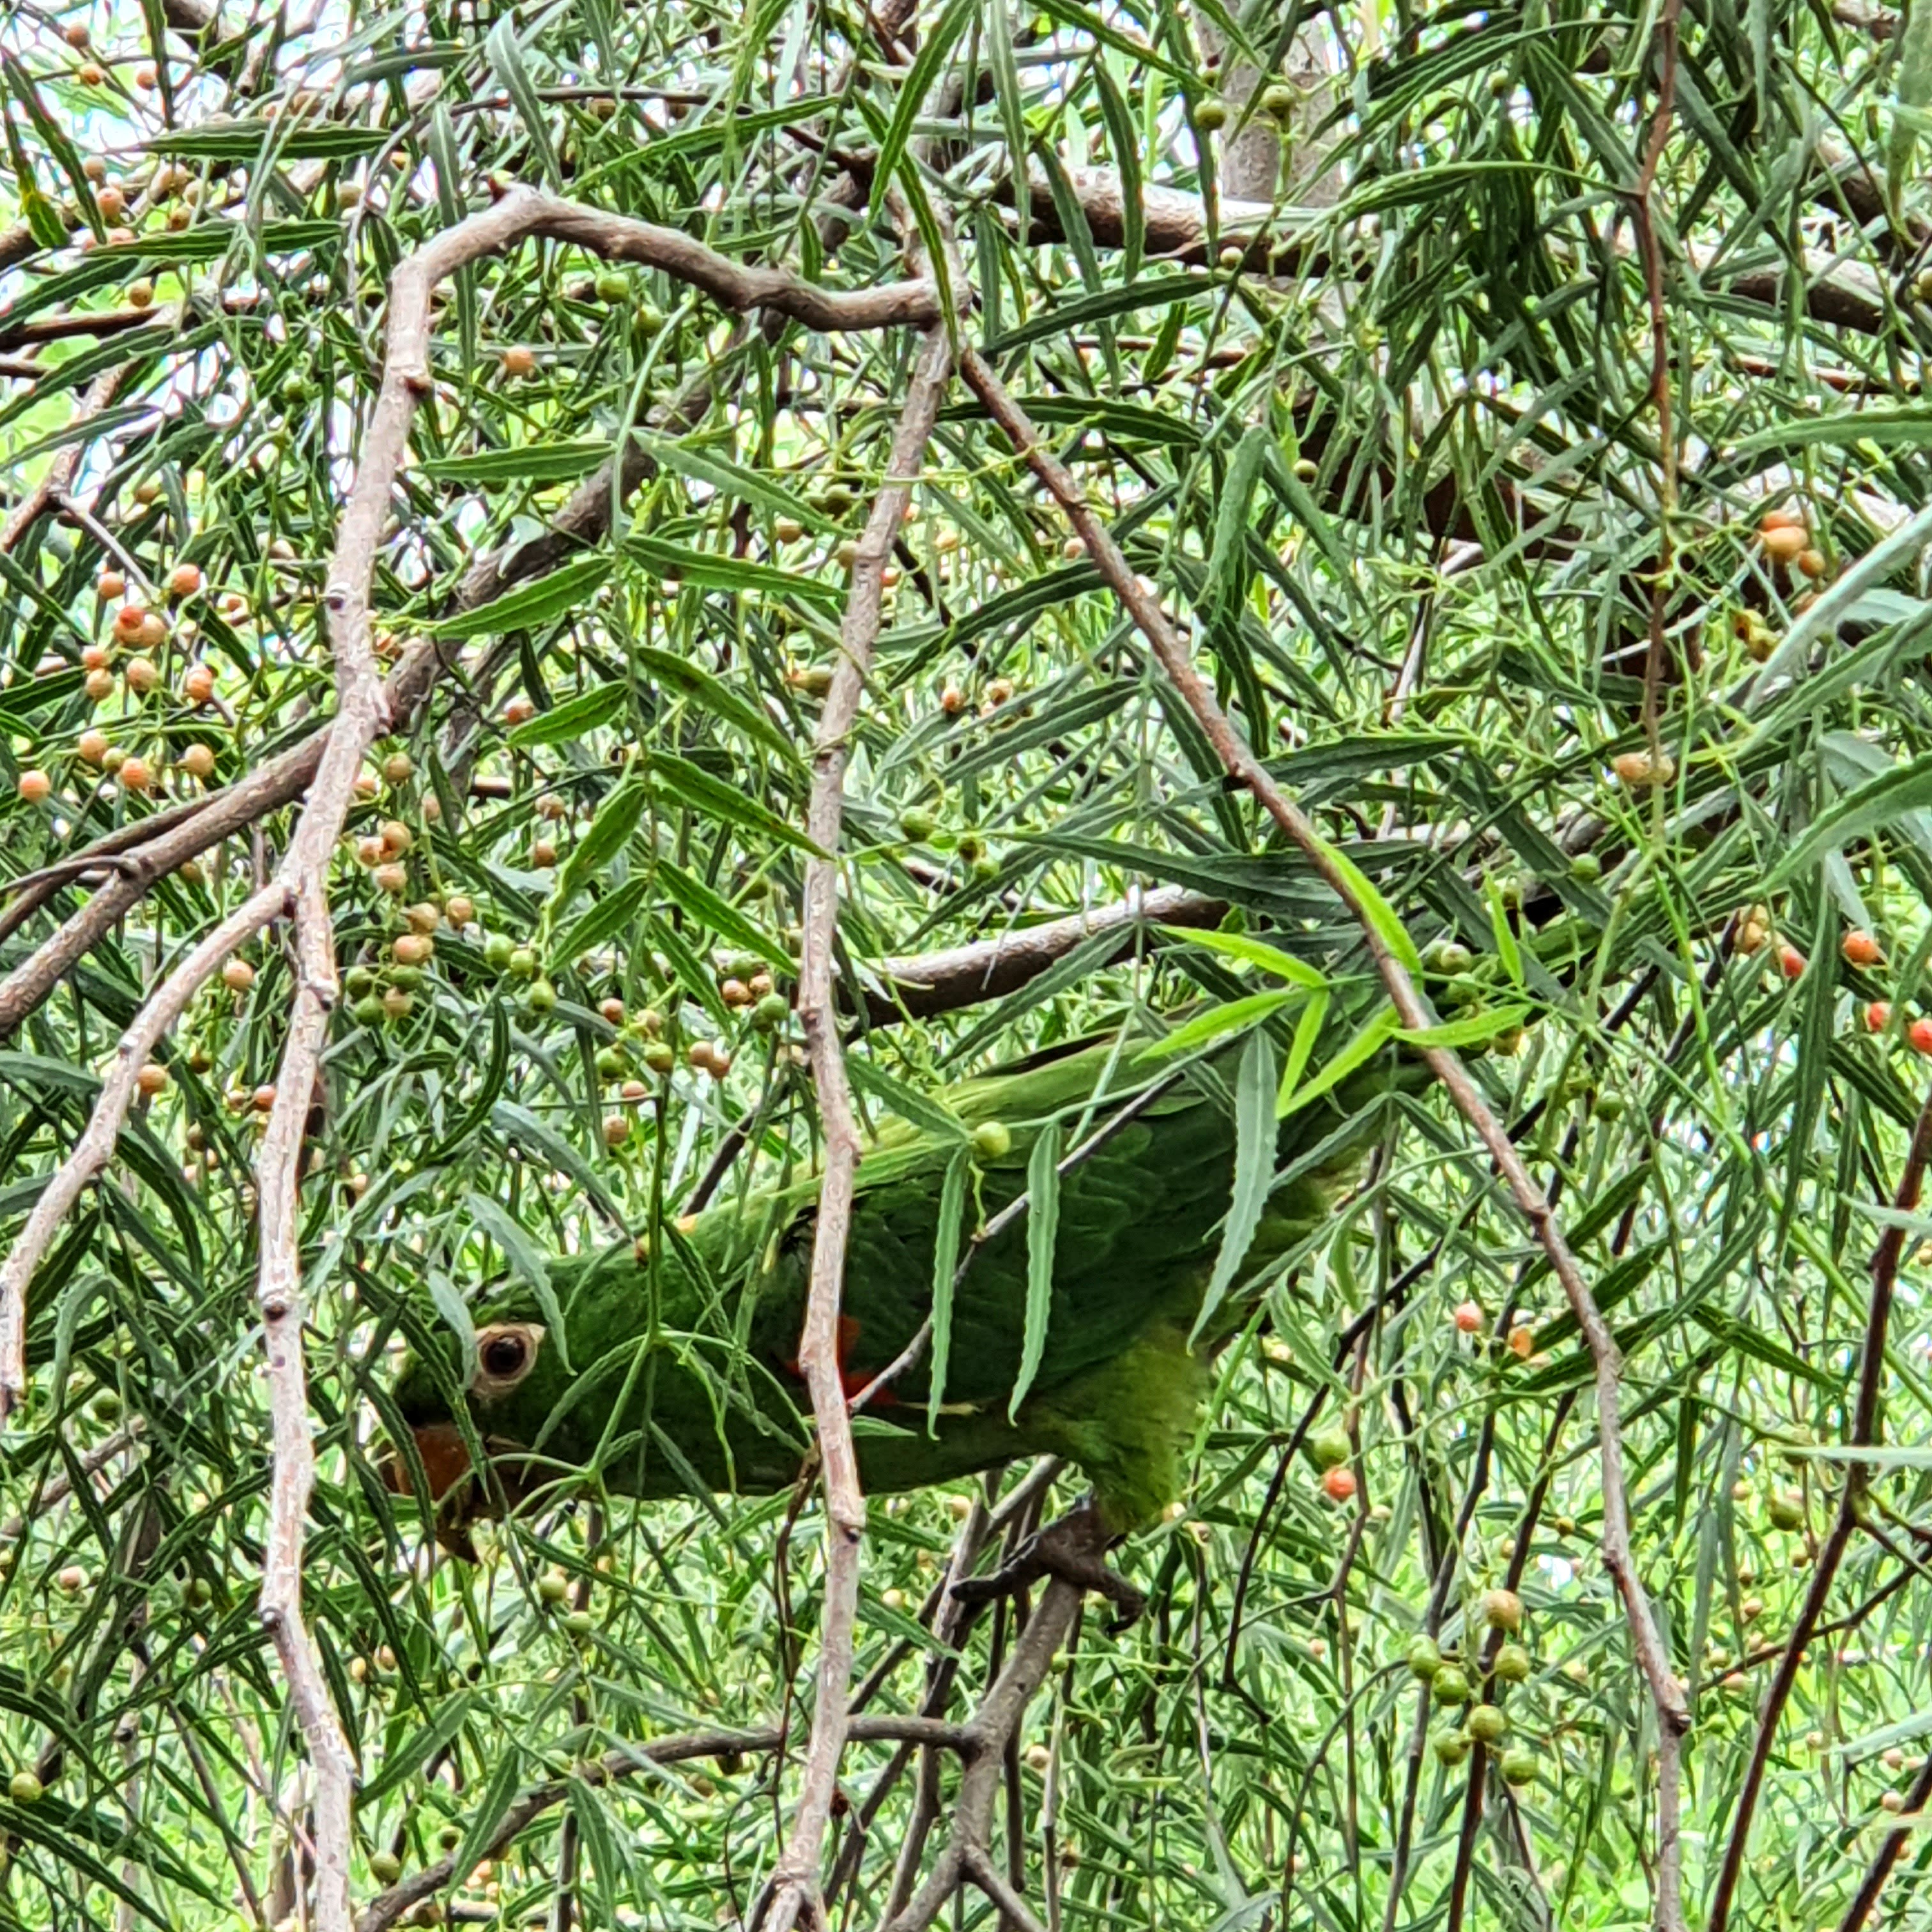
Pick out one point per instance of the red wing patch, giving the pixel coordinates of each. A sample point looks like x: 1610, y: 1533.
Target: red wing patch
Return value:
x: 850, y: 1380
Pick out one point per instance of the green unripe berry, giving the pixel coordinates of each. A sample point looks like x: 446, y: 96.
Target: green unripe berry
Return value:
x: 1450, y: 1747
x: 1513, y: 1663
x: 368, y: 1011
x: 1587, y: 867
x: 385, y: 1867
x: 650, y: 317
x: 523, y: 962
x: 552, y: 1588
x: 449, y: 1838
x: 1451, y: 1686
x: 1330, y: 1447
x: 579, y: 1623
x: 1277, y: 100
x: 1210, y: 117
x: 610, y: 1063
x: 1785, y: 1511
x: 1488, y: 1723
x: 541, y: 997
x: 659, y: 1057
x: 357, y: 981
x: 916, y: 825
x: 992, y: 1140
x: 409, y: 978
x: 497, y: 953
x: 1425, y: 1658
x: 1519, y: 1766
x: 771, y: 1012
x: 613, y: 288
x: 24, y: 1788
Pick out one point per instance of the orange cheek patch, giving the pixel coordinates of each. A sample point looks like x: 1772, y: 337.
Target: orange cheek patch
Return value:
x: 446, y: 1461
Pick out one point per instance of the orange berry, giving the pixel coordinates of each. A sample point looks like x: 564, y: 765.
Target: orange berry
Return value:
x: 391, y: 877
x: 1639, y: 770
x: 198, y: 761
x: 1860, y: 949
x: 1791, y: 962
x: 263, y: 1097
x: 519, y: 361
x: 185, y: 580
x: 1523, y: 1342
x: 198, y: 685
x: 99, y: 684
x: 543, y: 853
x: 128, y: 620
x: 1812, y: 563
x: 396, y: 837
x: 111, y: 203
x: 152, y: 1078
x: 1918, y: 1036
x: 34, y: 786
x: 91, y: 747
x: 90, y: 74
x: 460, y: 909
x: 1338, y: 1484
x: 1468, y: 1316
x: 1878, y: 1016
x: 238, y: 976
x: 95, y: 657
x: 141, y: 675
x: 75, y: 35
x: 735, y: 993
x: 1785, y: 543
x: 154, y: 632
x: 135, y: 775
x: 413, y: 949
x: 612, y: 1010
x: 519, y: 710
x: 616, y: 1130
x: 110, y: 585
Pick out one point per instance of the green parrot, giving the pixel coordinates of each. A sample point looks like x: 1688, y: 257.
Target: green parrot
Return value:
x: 669, y: 1368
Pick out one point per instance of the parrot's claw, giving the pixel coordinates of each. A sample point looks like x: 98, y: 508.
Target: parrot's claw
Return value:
x: 1068, y: 1548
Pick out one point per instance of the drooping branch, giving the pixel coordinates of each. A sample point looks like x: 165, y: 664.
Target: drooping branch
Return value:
x: 1666, y: 1694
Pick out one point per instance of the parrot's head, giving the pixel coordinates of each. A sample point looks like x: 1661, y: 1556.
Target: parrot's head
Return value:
x: 507, y: 1386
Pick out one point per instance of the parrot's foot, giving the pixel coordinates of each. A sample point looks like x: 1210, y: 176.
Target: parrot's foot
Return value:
x: 1071, y: 1548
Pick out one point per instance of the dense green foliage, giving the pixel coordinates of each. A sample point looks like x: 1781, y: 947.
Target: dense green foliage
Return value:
x: 1402, y: 468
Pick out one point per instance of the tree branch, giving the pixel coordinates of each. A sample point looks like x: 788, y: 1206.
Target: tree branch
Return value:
x: 1886, y: 1259
x: 795, y: 1882
x: 1666, y: 1694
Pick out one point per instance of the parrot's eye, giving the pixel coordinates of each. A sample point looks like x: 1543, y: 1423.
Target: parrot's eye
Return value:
x: 504, y: 1355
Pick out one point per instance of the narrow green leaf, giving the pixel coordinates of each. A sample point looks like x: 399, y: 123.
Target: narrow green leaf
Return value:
x: 711, y: 798
x: 718, y: 915
x: 1908, y: 788
x: 1255, y: 1133
x: 1368, y: 1041
x: 934, y: 48
x: 1042, y: 1228
x: 528, y: 463
x: 566, y: 723
x: 1252, y: 952
x: 716, y: 571
x: 945, y: 1264
x: 1219, y: 1021
x: 1374, y: 908
x: 530, y: 605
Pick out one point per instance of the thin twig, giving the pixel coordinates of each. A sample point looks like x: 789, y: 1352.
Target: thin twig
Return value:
x: 92, y: 1151
x: 1653, y: 1657
x: 59, y: 473
x: 795, y: 1880
x: 388, y: 1907
x: 1864, y: 1433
